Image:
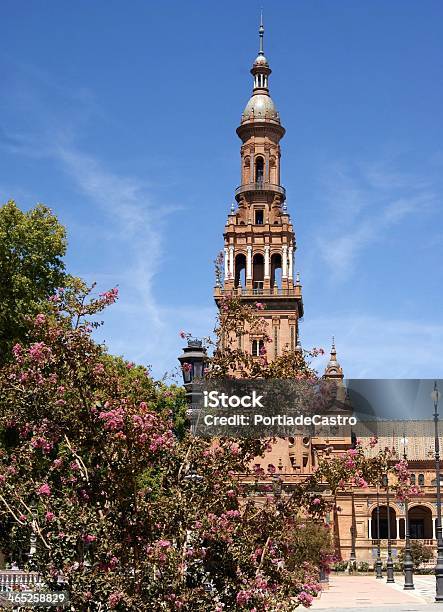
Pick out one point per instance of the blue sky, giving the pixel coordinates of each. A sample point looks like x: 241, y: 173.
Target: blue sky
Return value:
x: 121, y: 117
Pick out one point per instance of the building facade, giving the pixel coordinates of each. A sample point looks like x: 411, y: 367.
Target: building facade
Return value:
x: 259, y: 252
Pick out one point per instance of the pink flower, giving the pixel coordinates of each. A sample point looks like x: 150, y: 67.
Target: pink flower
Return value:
x: 39, y: 319
x: 88, y: 538
x: 183, y: 334
x: 243, y: 597
x: 2, y: 479
x: 49, y: 516
x: 164, y: 543
x: 187, y: 367
x: 57, y: 463
x: 305, y: 599
x: 352, y: 452
x: 22, y: 518
x: 373, y: 441
x: 260, y: 306
x: 99, y: 369
x: 271, y: 468
x: 39, y: 352
x: 114, y: 599
x: 44, y: 490
x: 316, y: 501
x: 109, y: 297
x: 17, y: 351
x: 130, y: 365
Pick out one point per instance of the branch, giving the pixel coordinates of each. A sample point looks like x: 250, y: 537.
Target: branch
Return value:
x: 79, y: 459
x: 11, y: 511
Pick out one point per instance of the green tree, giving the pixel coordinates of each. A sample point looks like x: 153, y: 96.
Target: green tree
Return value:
x: 32, y: 245
x: 419, y: 552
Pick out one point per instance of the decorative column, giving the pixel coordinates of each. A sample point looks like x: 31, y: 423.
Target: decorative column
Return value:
x: 370, y: 528
x: 226, y: 263
x: 284, y: 260
x: 398, y: 528
x: 231, y: 260
x: 249, y: 262
x: 291, y: 263
x: 267, y: 261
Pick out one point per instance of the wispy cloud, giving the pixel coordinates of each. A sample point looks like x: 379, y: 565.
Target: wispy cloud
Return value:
x: 362, y: 203
x: 125, y: 226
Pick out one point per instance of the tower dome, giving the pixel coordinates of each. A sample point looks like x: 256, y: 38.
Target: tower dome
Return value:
x: 260, y: 105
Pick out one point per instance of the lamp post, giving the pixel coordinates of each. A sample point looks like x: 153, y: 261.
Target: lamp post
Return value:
x: 389, y: 562
x: 378, y: 563
x: 435, y: 395
x: 408, y: 566
x: 192, y: 363
x: 352, y: 558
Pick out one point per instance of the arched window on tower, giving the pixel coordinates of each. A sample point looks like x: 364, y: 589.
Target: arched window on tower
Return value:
x: 259, y: 169
x: 240, y: 270
x: 421, y: 480
x: 257, y: 348
x: 258, y: 264
x: 276, y: 271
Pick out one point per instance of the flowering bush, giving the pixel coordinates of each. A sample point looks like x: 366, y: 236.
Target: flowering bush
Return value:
x: 128, y: 509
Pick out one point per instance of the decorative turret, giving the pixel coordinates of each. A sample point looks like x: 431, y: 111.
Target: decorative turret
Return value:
x: 333, y: 370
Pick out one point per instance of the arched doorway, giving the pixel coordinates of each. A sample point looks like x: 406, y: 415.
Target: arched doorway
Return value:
x: 240, y: 270
x: 420, y: 523
x: 258, y: 271
x: 384, y: 523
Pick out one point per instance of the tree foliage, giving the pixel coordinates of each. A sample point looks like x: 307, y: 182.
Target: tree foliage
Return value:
x: 32, y: 245
x: 130, y: 515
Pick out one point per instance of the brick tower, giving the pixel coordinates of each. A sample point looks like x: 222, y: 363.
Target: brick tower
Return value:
x: 259, y: 240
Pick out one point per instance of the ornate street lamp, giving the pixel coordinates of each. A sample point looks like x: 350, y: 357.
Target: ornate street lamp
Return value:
x: 193, y: 368
x: 408, y: 566
x: 389, y: 563
x: 435, y: 395
x: 378, y: 563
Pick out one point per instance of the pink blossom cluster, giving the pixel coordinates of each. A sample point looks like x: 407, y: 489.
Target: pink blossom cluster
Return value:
x: 315, y: 352
x: 44, y: 490
x: 39, y: 320
x: 114, y: 599
x: 40, y: 442
x: 373, y: 441
x: 401, y: 469
x: 305, y: 599
x: 39, y: 352
x: 113, y: 420
x: 109, y: 297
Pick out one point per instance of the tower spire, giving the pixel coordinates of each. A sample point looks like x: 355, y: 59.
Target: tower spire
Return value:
x: 261, y: 31
x: 333, y: 369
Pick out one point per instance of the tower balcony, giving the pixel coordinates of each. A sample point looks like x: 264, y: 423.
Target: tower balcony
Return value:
x: 293, y: 292
x: 260, y: 186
